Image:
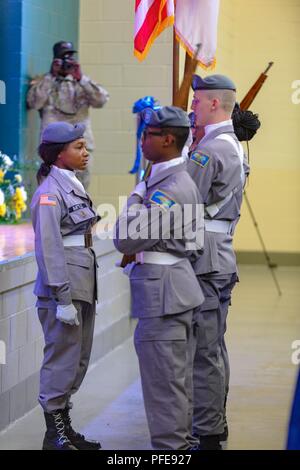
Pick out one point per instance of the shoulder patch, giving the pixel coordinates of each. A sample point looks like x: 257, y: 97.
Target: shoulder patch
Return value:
x: 47, y: 200
x: 200, y: 158
x: 162, y: 199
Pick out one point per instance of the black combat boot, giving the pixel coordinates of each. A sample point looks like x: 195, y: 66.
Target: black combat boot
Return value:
x: 210, y: 443
x: 77, y: 440
x: 55, y: 436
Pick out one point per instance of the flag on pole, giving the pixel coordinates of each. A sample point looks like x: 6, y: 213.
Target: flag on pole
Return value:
x: 151, y: 18
x: 196, y: 22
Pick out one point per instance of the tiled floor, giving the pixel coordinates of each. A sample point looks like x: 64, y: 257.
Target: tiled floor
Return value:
x: 262, y: 327
x: 261, y: 330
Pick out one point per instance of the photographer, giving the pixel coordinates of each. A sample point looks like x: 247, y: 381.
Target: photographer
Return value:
x: 65, y: 94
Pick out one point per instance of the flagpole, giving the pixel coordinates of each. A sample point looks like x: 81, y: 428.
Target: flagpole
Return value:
x: 181, y: 98
x: 175, y: 67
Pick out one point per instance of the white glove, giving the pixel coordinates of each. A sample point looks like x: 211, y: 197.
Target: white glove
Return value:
x: 140, y: 189
x: 67, y: 314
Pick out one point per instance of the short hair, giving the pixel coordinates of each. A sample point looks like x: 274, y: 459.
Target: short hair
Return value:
x: 180, y: 133
x: 227, y: 98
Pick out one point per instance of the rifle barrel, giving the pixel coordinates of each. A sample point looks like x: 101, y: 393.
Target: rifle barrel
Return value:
x: 250, y: 96
x: 268, y: 68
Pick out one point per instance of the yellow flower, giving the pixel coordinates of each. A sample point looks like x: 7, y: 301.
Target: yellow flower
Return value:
x: 19, y: 203
x: 1, y: 176
x: 2, y: 210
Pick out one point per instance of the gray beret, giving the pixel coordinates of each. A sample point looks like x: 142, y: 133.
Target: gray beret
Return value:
x: 212, y: 82
x: 62, y: 132
x: 167, y: 116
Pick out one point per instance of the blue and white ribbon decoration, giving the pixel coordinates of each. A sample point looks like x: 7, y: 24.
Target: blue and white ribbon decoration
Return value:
x: 140, y: 105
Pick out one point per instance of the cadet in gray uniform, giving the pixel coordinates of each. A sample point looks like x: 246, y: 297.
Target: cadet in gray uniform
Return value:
x: 164, y: 288
x: 66, y: 285
x: 219, y: 169
x: 65, y: 94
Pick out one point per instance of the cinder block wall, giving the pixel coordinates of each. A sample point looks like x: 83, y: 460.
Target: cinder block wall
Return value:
x: 106, y: 54
x: 270, y: 31
x: 44, y: 22
x: 21, y: 331
x: 250, y: 35
x: 28, y: 30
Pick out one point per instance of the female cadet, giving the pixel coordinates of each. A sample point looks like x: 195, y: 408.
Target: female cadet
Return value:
x: 66, y: 285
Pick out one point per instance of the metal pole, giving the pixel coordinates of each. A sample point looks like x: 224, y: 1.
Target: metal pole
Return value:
x: 175, y: 84
x: 271, y: 266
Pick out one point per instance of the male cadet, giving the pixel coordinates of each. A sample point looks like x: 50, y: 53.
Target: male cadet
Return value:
x: 164, y: 287
x: 218, y: 168
x: 65, y: 94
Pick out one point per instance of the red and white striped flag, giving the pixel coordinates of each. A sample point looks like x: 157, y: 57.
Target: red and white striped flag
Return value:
x: 151, y: 18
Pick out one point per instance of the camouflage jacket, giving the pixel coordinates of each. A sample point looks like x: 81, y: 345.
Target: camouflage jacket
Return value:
x: 66, y: 99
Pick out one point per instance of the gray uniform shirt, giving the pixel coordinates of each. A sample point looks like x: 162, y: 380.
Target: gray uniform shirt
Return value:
x: 59, y: 209
x: 216, y: 169
x: 162, y: 289
x: 66, y: 99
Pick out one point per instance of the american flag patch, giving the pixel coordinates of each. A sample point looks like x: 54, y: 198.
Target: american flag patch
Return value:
x: 47, y: 200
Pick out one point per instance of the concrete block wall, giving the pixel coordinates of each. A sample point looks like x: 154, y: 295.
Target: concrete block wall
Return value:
x: 22, y: 335
x: 21, y: 331
x: 44, y: 22
x: 106, y: 54
x: 28, y: 30
x: 248, y: 41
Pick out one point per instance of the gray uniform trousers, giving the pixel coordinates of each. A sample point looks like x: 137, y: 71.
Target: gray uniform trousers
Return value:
x: 165, y: 348
x: 216, y: 168
x: 163, y: 299
x: 211, y: 363
x: 66, y: 354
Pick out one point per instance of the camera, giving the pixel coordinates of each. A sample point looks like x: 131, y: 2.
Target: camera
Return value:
x: 67, y: 64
